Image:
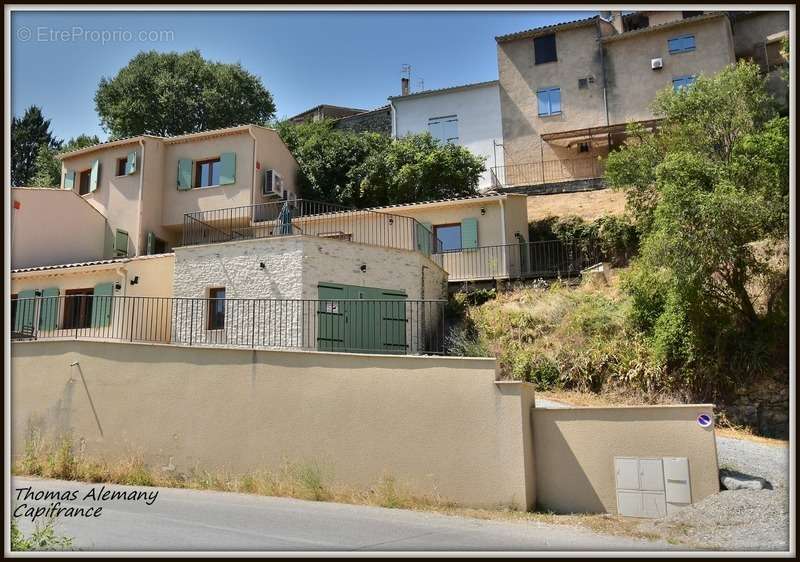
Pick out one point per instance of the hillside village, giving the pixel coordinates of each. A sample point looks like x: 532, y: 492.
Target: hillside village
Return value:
x: 182, y: 258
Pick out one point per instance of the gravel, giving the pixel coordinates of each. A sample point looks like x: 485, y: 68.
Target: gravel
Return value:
x: 741, y: 519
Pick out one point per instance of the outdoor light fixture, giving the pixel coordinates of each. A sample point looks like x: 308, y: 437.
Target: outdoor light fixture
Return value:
x: 363, y: 268
x: 135, y: 280
x: 483, y: 210
x: 117, y: 286
x: 262, y: 265
x: 391, y: 220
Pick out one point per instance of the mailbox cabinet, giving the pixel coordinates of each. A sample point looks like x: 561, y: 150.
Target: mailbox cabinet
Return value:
x: 651, y: 487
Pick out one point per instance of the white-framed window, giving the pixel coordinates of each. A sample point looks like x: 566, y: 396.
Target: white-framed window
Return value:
x: 444, y: 129
x: 549, y: 101
x: 682, y: 82
x: 682, y: 44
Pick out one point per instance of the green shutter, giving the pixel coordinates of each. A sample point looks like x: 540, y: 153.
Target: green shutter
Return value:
x: 469, y: 234
x: 184, y: 174
x: 151, y: 243
x: 424, y: 237
x: 120, y: 243
x: 26, y: 306
x: 69, y: 179
x: 102, y: 304
x: 48, y: 312
x: 227, y: 172
x: 94, y: 179
x: 130, y: 165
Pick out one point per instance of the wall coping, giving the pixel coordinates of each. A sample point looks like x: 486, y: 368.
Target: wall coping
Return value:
x: 626, y: 407
x: 446, y: 358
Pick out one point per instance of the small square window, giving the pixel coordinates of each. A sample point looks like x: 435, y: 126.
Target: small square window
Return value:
x: 544, y: 49
x: 583, y: 147
x: 207, y: 172
x: 682, y: 44
x: 682, y: 82
x: 583, y: 83
x: 449, y: 235
x: 549, y: 101
x: 122, y: 166
x: 216, y: 308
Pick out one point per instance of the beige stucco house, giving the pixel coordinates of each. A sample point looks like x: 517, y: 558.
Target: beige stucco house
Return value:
x: 144, y: 185
x: 568, y: 91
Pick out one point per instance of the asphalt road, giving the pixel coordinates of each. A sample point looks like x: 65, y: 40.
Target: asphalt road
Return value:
x: 198, y: 520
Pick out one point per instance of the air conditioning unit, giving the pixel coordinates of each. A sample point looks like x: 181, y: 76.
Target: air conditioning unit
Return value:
x: 656, y: 64
x: 273, y: 183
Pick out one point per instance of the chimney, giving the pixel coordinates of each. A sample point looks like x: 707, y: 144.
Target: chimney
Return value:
x: 614, y: 18
x: 404, y: 87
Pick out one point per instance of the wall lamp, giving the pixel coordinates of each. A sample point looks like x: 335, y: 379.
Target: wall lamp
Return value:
x: 262, y: 265
x: 135, y: 280
x: 483, y: 210
x: 363, y: 268
x: 117, y: 286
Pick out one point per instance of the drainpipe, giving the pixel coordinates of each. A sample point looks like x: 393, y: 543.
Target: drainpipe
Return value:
x: 503, y: 230
x: 394, y: 119
x: 141, y: 194
x: 255, y: 171
x: 605, y: 80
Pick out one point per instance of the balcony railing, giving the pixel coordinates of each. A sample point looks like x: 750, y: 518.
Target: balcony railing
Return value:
x: 548, y: 171
x: 373, y: 326
x: 311, y: 218
x: 523, y: 260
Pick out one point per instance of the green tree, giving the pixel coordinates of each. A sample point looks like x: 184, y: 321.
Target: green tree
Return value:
x: 710, y: 190
x: 368, y: 169
x: 175, y: 93
x: 28, y: 133
x: 47, y: 169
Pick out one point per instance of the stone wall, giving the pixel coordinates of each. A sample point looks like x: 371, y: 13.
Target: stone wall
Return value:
x: 376, y: 121
x: 763, y: 406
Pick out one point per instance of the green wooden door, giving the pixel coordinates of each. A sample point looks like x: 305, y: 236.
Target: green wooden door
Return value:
x: 330, y: 317
x: 362, y: 321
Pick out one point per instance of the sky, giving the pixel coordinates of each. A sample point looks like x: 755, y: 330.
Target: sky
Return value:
x: 304, y: 59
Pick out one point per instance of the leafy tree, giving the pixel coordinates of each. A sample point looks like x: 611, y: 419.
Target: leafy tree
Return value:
x: 174, y: 93
x: 368, y: 169
x: 710, y: 190
x: 28, y: 133
x: 48, y: 167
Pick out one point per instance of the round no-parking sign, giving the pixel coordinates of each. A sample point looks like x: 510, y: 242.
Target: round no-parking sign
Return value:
x: 704, y: 420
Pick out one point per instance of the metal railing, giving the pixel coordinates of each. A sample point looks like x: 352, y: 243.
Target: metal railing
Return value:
x: 393, y: 326
x: 537, y: 173
x: 523, y: 260
x: 311, y: 218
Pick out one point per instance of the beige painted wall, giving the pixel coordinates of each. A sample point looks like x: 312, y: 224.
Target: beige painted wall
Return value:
x: 116, y: 197
x: 632, y: 85
x: 440, y: 426
x: 54, y: 226
x: 751, y: 30
x: 588, y: 205
x: 144, y: 319
x: 578, y: 57
x: 272, y: 153
x: 575, y: 448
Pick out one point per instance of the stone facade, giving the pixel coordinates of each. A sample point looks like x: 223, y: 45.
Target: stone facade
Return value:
x: 288, y: 284
x: 375, y: 121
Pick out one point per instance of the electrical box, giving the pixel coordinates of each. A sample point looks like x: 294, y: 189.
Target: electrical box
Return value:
x: 677, y: 484
x: 657, y: 64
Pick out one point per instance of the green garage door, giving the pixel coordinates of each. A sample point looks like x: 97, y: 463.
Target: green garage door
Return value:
x: 377, y: 325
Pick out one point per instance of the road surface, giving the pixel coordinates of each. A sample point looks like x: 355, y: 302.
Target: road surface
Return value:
x: 199, y: 520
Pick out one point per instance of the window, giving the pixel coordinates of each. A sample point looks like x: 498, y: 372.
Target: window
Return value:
x: 583, y: 147
x: 122, y: 164
x: 449, y: 235
x: 13, y: 310
x: 120, y: 243
x: 78, y: 308
x: 682, y: 82
x: 549, y: 101
x: 159, y: 246
x: 216, y: 308
x: 84, y: 181
x: 207, y: 173
x: 681, y: 44
x: 544, y: 49
x: 444, y: 129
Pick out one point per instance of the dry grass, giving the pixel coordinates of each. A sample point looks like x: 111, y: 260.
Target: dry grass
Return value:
x: 308, y: 481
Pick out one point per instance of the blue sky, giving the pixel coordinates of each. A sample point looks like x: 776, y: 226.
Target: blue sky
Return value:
x: 303, y: 58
